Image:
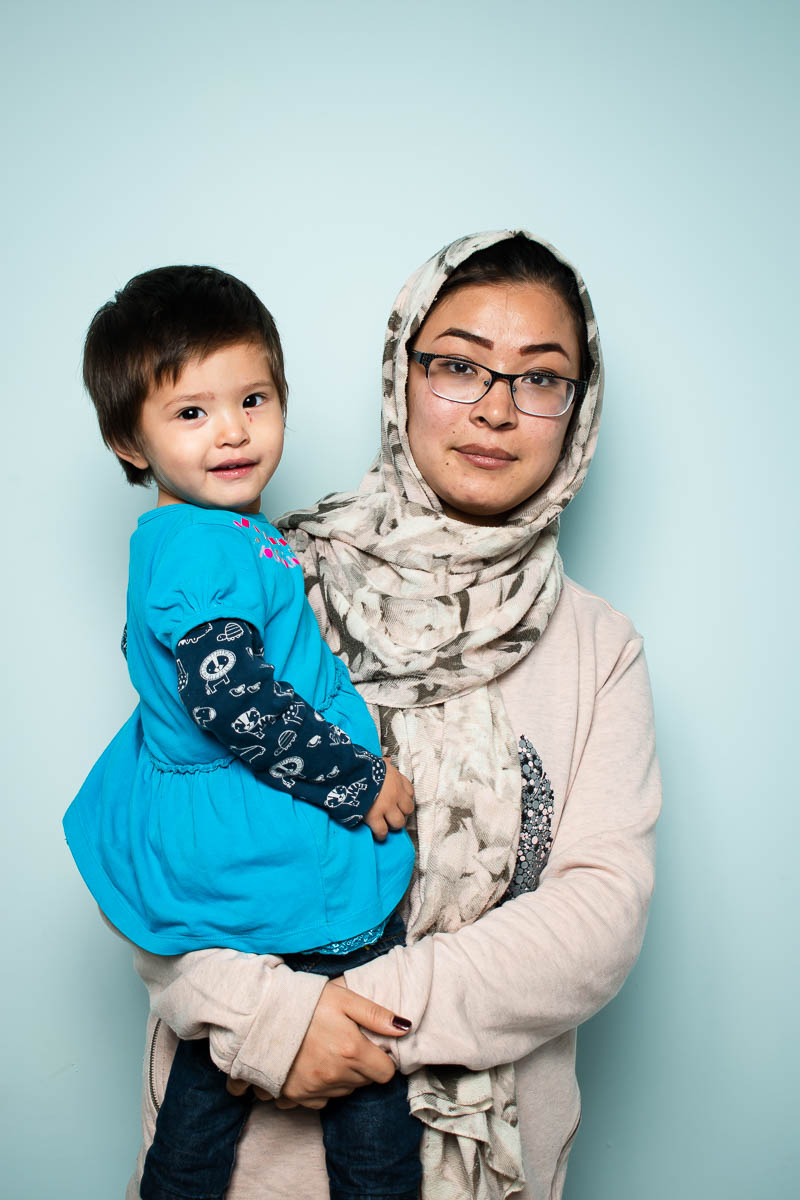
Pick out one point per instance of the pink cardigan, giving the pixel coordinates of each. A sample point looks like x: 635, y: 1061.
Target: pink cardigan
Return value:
x: 512, y: 987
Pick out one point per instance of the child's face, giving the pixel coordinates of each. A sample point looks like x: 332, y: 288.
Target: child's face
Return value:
x: 213, y: 438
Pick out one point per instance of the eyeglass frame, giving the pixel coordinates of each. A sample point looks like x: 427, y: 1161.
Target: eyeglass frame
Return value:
x: 425, y: 358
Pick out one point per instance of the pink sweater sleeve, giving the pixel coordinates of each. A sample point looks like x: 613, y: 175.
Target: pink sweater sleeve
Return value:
x: 543, y: 963
x: 254, y: 1010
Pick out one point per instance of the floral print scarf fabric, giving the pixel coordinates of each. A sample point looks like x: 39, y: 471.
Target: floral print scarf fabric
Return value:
x: 428, y: 612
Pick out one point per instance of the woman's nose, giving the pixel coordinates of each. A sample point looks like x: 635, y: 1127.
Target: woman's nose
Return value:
x: 496, y: 408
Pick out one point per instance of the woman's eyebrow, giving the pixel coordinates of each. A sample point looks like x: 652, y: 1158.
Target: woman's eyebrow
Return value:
x: 533, y: 348
x: 467, y: 336
x: 543, y: 348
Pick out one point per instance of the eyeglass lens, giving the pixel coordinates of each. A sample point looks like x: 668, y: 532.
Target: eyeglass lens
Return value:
x: 537, y: 393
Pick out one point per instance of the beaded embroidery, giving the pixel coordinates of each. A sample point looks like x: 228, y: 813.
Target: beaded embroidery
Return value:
x: 536, y: 832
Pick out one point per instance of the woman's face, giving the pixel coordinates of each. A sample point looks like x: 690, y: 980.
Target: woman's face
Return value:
x: 484, y: 459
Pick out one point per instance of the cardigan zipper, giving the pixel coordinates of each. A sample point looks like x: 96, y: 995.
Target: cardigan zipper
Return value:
x: 152, y: 1069
x: 558, y: 1178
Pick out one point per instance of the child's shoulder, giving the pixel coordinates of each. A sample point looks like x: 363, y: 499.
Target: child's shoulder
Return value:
x: 184, y: 536
x: 188, y: 520
x: 181, y: 537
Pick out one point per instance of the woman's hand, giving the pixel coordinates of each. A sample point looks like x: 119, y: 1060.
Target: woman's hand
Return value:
x: 334, y: 1057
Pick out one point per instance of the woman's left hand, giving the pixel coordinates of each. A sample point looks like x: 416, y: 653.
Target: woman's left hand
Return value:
x: 335, y: 1057
x: 237, y: 1087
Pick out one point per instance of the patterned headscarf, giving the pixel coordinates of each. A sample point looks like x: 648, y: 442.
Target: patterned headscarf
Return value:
x: 428, y: 612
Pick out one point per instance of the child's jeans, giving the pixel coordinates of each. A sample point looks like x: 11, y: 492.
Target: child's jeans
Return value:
x: 371, y: 1139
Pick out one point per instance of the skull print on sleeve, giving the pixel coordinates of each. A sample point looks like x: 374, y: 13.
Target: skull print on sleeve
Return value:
x: 229, y: 691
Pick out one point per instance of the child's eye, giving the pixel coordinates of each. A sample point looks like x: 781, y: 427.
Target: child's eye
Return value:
x: 254, y: 399
x: 190, y: 414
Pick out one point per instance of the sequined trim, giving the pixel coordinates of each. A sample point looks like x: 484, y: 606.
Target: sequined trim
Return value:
x: 349, y: 944
x: 536, y: 828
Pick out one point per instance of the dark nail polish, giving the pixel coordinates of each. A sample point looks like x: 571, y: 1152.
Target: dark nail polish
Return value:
x: 401, y: 1023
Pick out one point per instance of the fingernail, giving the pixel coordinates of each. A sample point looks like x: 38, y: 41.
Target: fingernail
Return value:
x: 401, y: 1023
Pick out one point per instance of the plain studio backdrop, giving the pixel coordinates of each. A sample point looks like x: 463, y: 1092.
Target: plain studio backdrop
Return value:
x: 321, y: 151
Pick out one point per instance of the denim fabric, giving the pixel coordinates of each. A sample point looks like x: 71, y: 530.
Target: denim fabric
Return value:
x: 372, y: 1143
x: 197, y: 1129
x: 371, y: 1139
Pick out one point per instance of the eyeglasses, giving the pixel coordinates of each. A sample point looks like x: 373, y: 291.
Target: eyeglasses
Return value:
x: 534, y: 392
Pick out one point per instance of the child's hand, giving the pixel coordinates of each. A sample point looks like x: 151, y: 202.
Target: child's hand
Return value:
x: 394, y: 804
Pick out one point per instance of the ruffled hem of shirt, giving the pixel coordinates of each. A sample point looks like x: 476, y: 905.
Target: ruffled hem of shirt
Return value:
x: 347, y: 945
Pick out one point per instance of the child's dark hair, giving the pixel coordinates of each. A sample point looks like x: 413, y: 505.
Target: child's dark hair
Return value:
x: 150, y: 330
x: 519, y: 260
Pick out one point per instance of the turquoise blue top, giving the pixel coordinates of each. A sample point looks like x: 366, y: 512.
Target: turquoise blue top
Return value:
x: 181, y: 844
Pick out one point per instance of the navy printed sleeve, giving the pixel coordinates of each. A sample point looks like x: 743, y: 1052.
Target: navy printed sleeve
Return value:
x: 233, y: 694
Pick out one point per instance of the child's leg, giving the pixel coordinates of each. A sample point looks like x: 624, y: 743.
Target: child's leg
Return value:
x: 372, y: 1143
x: 197, y: 1128
x: 371, y: 1139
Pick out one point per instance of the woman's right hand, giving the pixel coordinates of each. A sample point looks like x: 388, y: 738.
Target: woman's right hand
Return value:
x: 335, y: 1057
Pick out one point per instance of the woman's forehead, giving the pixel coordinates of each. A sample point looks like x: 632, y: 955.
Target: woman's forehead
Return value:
x: 519, y: 316
x: 495, y: 301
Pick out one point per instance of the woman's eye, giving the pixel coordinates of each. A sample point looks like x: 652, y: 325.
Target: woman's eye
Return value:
x: 253, y: 400
x: 456, y: 366
x: 540, y: 379
x: 190, y: 414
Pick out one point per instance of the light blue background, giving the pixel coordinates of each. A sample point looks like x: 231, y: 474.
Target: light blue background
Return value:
x: 322, y: 151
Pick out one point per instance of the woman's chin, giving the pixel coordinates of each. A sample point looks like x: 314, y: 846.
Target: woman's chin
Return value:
x: 474, y: 513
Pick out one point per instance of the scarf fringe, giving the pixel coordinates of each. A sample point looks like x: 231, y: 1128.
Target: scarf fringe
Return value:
x: 471, y: 1144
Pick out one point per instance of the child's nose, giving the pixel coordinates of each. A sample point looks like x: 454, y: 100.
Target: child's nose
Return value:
x: 234, y: 428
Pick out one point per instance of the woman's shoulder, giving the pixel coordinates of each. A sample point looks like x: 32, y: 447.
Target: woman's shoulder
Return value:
x: 581, y: 600
x: 591, y: 617
x: 586, y: 642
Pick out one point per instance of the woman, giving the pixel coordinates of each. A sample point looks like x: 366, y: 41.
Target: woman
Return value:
x: 519, y: 705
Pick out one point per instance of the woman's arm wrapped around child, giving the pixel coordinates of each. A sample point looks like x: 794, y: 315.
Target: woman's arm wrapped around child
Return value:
x: 491, y: 992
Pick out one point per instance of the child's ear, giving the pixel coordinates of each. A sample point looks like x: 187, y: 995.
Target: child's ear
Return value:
x: 132, y: 454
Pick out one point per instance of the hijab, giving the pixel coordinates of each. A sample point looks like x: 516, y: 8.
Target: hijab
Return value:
x: 428, y: 612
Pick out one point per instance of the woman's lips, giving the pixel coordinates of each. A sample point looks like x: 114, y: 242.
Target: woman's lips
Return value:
x: 489, y: 458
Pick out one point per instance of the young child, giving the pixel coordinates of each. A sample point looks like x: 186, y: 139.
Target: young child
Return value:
x: 246, y: 804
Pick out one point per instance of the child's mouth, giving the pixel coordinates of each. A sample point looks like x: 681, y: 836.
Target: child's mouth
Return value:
x: 235, y: 469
